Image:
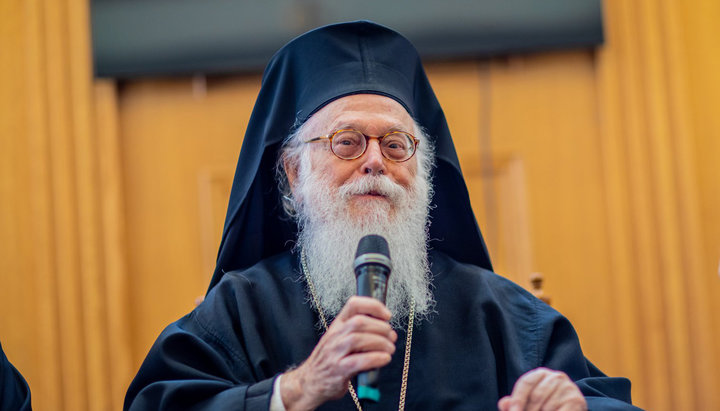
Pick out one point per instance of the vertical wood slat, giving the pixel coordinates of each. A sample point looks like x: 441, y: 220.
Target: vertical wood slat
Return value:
x: 88, y: 207
x: 65, y: 218
x: 26, y: 116
x: 646, y: 142
x: 113, y: 240
x: 702, y: 63
x: 700, y: 33
x: 651, y: 307
x: 632, y: 140
x: 620, y: 257
x: 43, y: 261
x: 69, y: 212
x: 700, y: 374
x: 664, y: 198
x: 618, y: 112
x: 629, y: 159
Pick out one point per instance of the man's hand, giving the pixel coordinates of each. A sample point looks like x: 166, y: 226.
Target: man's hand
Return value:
x: 359, y: 339
x: 544, y: 389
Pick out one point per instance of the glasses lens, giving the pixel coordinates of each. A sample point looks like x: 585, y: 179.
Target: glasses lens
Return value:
x: 348, y: 144
x: 398, y: 146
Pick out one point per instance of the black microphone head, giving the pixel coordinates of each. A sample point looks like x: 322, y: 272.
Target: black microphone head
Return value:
x: 372, y: 249
x: 373, y: 244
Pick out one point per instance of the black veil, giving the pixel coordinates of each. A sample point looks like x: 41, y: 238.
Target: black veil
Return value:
x: 306, y: 74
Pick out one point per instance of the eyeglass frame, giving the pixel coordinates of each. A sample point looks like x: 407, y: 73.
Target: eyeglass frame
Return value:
x: 330, y: 136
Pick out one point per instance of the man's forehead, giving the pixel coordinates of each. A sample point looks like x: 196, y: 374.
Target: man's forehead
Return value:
x: 363, y: 111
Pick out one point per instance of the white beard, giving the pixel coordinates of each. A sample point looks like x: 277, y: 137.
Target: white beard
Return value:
x: 329, y: 234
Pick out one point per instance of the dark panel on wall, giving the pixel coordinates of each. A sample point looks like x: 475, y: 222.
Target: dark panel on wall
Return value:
x: 161, y: 37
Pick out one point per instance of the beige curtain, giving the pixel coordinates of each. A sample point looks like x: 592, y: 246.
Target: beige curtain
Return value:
x: 63, y: 281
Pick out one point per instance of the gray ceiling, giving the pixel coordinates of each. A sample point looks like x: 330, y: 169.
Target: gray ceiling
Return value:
x: 167, y: 37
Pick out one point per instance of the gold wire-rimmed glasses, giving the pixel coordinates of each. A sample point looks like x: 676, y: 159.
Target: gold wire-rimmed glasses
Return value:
x: 349, y: 144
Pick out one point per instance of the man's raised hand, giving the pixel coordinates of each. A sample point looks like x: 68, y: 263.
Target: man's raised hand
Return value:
x: 359, y: 339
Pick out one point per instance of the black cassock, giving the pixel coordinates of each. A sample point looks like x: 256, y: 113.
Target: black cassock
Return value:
x: 14, y: 391
x: 485, y: 333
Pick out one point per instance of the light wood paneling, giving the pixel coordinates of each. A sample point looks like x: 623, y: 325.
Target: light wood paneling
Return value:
x: 114, y: 289
x: 180, y: 142
x: 697, y: 95
x: 649, y: 156
x: 56, y: 206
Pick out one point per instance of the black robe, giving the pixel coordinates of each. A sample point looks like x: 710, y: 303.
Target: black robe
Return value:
x: 255, y: 324
x: 14, y: 391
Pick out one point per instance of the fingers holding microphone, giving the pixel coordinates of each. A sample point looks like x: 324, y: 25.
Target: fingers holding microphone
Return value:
x: 365, y: 336
x: 359, y: 339
x: 358, y: 342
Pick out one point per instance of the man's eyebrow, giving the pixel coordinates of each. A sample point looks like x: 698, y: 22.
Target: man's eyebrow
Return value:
x: 355, y: 126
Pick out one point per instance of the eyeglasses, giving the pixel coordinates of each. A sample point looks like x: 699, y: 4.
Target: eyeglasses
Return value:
x: 349, y: 144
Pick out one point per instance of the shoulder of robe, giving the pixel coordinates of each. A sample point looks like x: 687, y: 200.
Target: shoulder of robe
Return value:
x: 270, y: 272
x: 240, y: 291
x: 490, y: 287
x: 242, y: 299
x: 510, y: 315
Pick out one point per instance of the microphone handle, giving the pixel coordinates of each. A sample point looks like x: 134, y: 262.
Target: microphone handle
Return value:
x: 371, y: 282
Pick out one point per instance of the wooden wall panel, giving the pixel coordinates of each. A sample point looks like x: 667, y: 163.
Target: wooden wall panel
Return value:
x: 696, y: 30
x: 649, y: 155
x: 56, y: 206
x: 180, y: 142
x: 25, y: 253
x: 114, y: 287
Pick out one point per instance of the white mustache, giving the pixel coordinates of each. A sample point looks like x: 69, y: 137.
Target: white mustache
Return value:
x: 381, y: 185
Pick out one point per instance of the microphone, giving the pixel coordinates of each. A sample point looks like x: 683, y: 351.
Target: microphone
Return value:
x: 372, y: 269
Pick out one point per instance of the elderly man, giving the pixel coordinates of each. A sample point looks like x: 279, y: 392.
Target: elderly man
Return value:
x: 348, y: 139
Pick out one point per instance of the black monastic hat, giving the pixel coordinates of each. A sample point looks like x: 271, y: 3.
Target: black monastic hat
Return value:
x: 306, y: 74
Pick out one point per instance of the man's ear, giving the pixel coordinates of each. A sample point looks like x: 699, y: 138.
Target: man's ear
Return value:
x: 291, y: 172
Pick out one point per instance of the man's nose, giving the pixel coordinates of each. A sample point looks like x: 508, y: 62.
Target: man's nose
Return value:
x: 373, y: 161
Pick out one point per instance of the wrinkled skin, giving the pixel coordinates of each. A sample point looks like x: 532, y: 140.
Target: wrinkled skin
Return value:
x: 544, y: 389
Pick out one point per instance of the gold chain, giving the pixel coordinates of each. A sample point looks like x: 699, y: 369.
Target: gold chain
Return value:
x: 408, y: 341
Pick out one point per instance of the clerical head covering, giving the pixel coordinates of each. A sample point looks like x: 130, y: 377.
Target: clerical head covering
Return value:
x: 302, y: 77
